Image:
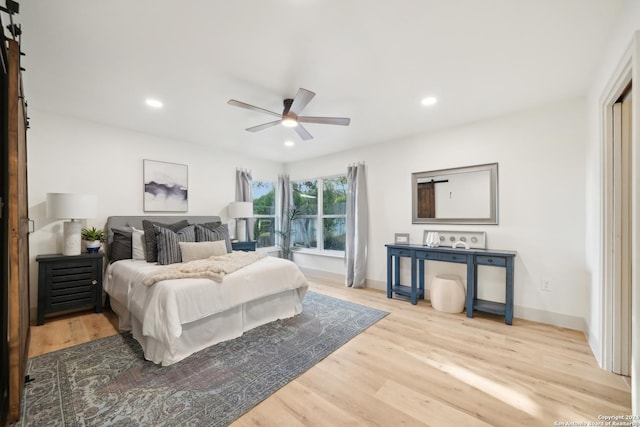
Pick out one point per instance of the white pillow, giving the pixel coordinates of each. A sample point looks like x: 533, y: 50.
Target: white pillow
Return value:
x: 137, y: 245
x: 192, y: 251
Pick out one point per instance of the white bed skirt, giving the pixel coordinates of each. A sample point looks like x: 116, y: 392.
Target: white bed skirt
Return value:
x: 216, y: 328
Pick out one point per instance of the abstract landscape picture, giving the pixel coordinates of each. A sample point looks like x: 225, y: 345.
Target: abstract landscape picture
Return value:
x: 165, y: 186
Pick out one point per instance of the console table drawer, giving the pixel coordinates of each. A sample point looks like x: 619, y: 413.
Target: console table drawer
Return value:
x: 400, y: 252
x: 452, y: 257
x: 491, y: 260
x: 427, y: 255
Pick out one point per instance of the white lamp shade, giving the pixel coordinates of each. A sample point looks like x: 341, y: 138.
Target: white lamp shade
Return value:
x: 71, y: 206
x: 241, y: 210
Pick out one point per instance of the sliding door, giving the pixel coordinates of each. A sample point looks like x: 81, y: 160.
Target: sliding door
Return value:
x: 4, y: 244
x: 18, y: 222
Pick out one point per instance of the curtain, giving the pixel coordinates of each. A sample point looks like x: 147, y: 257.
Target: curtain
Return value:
x: 283, y: 203
x: 244, y: 193
x: 357, y: 226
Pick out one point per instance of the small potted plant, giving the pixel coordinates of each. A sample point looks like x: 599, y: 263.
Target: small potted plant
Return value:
x: 92, y: 239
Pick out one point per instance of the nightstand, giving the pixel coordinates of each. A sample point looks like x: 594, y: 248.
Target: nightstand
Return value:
x: 244, y: 246
x: 69, y: 282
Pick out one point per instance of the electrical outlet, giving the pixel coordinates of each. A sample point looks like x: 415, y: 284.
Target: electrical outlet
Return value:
x: 545, y: 285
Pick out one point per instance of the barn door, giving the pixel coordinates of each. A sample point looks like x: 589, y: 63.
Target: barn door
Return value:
x: 426, y: 200
x: 18, y: 223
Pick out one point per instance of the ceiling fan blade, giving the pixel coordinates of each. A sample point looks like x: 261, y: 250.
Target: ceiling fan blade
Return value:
x: 302, y: 132
x: 303, y: 97
x: 251, y: 107
x: 340, y: 121
x: 263, y: 126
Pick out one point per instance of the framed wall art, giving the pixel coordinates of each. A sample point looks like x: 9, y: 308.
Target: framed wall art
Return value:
x: 165, y: 186
x: 401, y: 238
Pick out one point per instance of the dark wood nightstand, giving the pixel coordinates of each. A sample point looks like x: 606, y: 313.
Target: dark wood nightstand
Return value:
x: 244, y: 246
x: 69, y: 282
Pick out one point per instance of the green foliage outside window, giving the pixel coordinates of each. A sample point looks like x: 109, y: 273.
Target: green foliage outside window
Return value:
x: 332, y: 213
x: 264, y: 207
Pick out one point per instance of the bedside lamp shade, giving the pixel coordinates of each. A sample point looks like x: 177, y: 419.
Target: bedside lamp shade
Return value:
x: 240, y: 211
x: 71, y: 206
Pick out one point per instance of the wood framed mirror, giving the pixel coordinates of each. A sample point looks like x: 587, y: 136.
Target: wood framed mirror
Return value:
x: 465, y: 195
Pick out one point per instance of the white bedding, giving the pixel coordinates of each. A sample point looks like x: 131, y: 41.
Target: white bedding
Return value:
x: 164, y: 309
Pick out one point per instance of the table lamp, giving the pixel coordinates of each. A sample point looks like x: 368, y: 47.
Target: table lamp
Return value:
x: 241, y: 211
x: 71, y: 206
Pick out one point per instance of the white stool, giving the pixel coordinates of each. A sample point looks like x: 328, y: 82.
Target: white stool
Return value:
x: 447, y: 294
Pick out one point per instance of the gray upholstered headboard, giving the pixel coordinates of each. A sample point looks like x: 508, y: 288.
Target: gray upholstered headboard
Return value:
x: 136, y: 221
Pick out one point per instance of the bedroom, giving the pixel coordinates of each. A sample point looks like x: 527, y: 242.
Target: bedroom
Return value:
x: 548, y: 154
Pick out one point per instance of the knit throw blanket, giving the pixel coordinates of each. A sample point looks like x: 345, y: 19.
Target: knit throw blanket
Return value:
x: 214, y: 268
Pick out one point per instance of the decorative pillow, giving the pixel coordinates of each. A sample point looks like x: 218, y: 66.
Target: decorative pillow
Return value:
x: 138, y: 245
x: 168, y: 243
x: 192, y: 251
x: 151, y: 247
x: 120, y: 247
x: 210, y: 233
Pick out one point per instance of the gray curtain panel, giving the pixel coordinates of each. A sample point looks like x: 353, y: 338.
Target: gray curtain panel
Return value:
x: 283, y: 203
x: 357, y: 226
x: 244, y: 193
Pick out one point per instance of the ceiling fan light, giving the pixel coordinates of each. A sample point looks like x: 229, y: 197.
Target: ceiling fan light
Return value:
x: 289, y: 122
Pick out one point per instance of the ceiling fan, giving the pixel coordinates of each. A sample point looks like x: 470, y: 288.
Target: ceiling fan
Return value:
x: 291, y: 117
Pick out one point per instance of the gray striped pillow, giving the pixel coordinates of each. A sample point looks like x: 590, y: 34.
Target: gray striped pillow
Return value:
x: 211, y: 232
x: 168, y: 247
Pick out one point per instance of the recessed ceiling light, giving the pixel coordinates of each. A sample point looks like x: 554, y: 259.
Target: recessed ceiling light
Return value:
x: 289, y: 143
x: 429, y: 101
x: 154, y: 103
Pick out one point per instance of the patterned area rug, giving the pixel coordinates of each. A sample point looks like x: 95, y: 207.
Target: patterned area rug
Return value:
x: 109, y: 383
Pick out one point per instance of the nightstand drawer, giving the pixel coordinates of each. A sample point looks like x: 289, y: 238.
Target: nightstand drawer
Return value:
x: 244, y: 246
x: 68, y: 283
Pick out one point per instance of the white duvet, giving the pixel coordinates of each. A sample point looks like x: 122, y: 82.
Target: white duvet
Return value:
x: 164, y: 307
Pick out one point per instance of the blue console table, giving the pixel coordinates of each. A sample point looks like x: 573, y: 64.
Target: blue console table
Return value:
x: 472, y: 257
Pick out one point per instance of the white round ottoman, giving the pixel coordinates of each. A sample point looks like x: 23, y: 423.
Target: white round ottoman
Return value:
x: 447, y: 294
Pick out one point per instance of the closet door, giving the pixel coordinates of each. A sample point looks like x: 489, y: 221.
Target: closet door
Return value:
x: 18, y: 222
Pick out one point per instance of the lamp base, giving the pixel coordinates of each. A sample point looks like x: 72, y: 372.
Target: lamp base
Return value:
x: 72, y: 238
x: 241, y: 230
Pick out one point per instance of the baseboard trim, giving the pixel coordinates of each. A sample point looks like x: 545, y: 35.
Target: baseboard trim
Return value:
x: 550, y: 318
x: 312, y: 274
x: 526, y: 313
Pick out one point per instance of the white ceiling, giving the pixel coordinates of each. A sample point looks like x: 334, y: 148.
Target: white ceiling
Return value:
x: 370, y: 60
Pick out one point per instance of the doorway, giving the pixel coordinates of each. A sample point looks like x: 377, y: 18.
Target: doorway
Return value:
x: 617, y: 223
x: 621, y: 288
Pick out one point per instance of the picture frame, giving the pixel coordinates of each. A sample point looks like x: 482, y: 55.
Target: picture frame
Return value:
x: 165, y: 186
x: 402, y: 238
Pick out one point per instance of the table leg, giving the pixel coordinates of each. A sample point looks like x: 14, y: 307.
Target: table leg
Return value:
x: 389, y: 274
x: 421, y: 274
x: 414, y: 287
x: 508, y: 317
x: 472, y: 285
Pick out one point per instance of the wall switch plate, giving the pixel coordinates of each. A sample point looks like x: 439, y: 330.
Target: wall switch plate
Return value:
x: 545, y: 285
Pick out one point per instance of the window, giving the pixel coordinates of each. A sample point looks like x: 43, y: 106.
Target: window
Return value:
x: 322, y: 213
x: 264, y: 213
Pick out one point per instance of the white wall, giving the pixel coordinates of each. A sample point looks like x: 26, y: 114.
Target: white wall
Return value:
x: 76, y: 156
x: 541, y: 156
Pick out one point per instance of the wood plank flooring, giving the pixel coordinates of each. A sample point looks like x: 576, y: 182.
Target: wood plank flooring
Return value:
x: 420, y: 367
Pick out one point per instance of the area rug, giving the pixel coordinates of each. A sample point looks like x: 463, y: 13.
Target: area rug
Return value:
x: 109, y: 383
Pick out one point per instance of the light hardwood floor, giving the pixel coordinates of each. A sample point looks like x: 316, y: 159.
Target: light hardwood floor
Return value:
x: 420, y: 367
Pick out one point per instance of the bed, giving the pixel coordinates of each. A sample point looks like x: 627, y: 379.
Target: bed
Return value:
x: 174, y: 318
